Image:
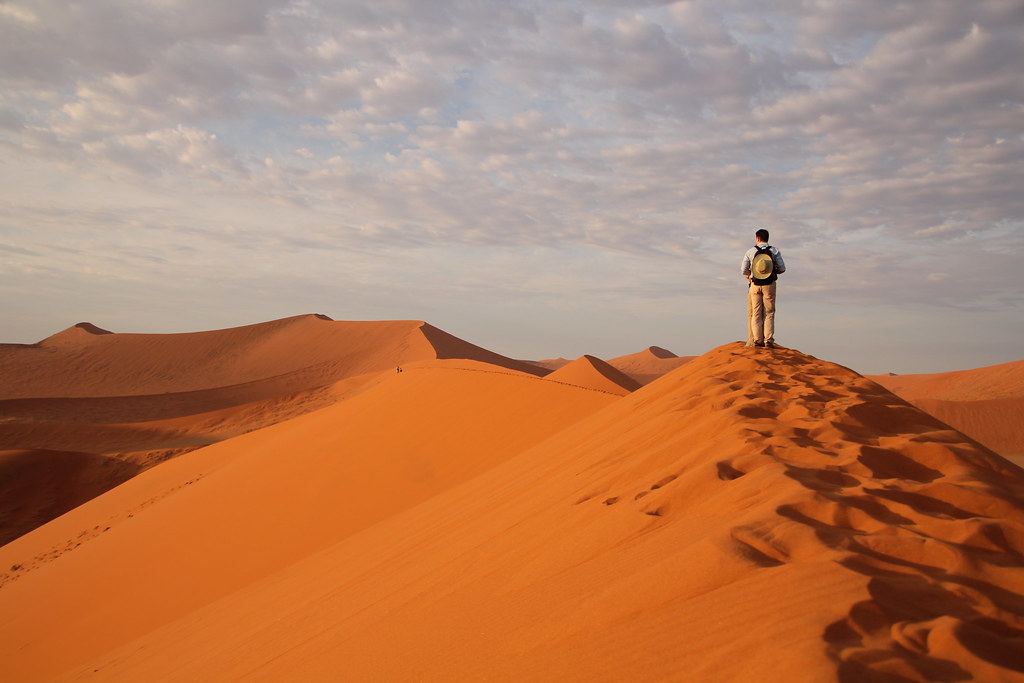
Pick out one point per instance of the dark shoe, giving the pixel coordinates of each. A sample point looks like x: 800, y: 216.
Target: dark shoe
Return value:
x: 770, y: 344
x: 760, y: 345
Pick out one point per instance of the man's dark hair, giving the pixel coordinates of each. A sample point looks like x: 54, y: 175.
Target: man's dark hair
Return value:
x: 761, y: 235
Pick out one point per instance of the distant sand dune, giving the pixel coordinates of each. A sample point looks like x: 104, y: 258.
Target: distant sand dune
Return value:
x: 75, y: 363
x: 591, y: 372
x: 985, y: 403
x: 753, y: 515
x: 133, y: 400
x: 995, y: 381
x: 649, y: 364
x: 551, y: 363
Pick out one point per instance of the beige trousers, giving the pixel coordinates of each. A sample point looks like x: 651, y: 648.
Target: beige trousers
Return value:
x: 761, y: 313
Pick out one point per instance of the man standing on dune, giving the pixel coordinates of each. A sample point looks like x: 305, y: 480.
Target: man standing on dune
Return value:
x: 762, y: 265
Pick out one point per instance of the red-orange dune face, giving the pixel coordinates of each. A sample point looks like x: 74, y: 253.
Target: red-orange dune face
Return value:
x: 750, y: 516
x: 297, y: 352
x: 86, y: 409
x: 590, y: 372
x: 985, y: 403
x: 649, y: 364
x: 209, y: 522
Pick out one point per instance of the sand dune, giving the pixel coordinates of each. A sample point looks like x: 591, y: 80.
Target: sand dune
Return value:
x: 985, y: 403
x: 591, y: 372
x: 216, y: 519
x: 120, y: 403
x: 551, y: 363
x: 447, y: 346
x: 749, y: 516
x: 79, y: 363
x: 39, y: 485
x: 998, y: 423
x: 995, y: 381
x: 649, y: 364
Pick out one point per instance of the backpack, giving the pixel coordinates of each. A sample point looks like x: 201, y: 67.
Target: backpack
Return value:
x: 762, y: 267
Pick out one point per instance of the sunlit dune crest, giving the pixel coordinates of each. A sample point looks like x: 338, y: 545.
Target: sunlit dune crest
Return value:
x: 297, y: 351
x: 85, y: 409
x: 551, y: 363
x: 591, y: 372
x: 649, y: 364
x: 444, y: 514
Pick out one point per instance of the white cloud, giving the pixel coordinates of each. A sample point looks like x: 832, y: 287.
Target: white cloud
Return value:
x: 403, y: 92
x: 655, y: 129
x: 179, y: 151
x: 17, y: 13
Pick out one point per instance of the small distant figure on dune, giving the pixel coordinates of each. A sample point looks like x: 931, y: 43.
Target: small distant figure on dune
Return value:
x: 398, y: 368
x: 762, y: 265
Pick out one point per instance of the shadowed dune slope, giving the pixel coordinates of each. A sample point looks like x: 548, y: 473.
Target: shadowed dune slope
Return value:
x: 111, y: 404
x: 448, y: 346
x: 752, y: 516
x: 591, y: 372
x: 985, y: 403
x: 212, y: 521
x: 649, y: 364
x: 38, y: 485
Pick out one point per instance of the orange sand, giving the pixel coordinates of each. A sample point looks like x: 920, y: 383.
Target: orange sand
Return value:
x: 591, y: 372
x: 985, y: 403
x: 297, y: 352
x: 551, y: 363
x: 753, y: 515
x: 108, y: 406
x: 649, y: 364
x: 216, y: 519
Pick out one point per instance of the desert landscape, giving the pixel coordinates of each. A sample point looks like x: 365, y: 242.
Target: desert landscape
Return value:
x: 316, y: 500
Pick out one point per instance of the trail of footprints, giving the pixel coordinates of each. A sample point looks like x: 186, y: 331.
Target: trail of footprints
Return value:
x: 20, y: 569
x: 882, y: 514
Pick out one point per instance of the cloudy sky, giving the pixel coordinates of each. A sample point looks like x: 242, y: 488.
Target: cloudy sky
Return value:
x: 540, y: 177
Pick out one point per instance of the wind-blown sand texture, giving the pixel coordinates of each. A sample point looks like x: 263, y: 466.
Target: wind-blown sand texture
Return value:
x: 85, y: 410
x: 985, y: 403
x: 753, y: 515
